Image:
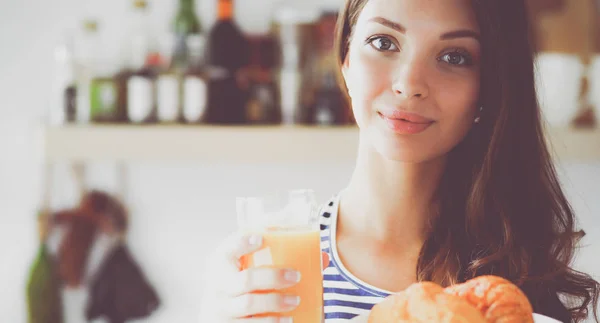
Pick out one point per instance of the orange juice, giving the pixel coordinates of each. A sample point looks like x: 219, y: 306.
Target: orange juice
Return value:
x: 299, y: 250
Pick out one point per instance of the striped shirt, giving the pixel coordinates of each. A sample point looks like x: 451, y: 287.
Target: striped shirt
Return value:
x: 344, y: 295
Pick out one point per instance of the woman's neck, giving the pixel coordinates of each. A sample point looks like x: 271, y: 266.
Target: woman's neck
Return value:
x: 389, y: 201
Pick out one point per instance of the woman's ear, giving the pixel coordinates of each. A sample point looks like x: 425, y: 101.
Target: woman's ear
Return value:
x: 345, y: 74
x: 345, y: 64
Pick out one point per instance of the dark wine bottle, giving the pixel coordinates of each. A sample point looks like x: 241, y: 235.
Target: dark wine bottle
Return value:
x: 227, y: 58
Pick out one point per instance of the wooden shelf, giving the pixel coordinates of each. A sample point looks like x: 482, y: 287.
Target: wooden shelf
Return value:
x: 575, y: 145
x: 202, y: 143
x: 248, y: 143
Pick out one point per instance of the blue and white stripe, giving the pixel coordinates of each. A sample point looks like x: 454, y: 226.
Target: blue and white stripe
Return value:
x: 344, y: 295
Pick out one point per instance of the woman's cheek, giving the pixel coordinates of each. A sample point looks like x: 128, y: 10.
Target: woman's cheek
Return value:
x: 369, y: 79
x: 457, y: 101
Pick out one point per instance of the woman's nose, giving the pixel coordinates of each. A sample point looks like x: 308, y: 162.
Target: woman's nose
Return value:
x: 410, y: 78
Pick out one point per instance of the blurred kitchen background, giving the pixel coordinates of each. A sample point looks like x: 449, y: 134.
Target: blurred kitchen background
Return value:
x: 121, y: 135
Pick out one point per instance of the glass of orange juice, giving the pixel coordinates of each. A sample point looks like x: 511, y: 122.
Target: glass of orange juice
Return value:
x: 289, y: 224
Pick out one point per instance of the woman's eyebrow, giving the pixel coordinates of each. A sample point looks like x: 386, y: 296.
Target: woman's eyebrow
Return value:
x: 461, y: 33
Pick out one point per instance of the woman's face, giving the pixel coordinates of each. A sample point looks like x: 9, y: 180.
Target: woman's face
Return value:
x: 412, y: 71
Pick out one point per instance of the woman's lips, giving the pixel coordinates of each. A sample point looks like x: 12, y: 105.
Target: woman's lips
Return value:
x: 406, y: 123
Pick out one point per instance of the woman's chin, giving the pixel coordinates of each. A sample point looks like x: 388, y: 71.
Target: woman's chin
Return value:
x: 401, y: 151
x: 418, y: 148
x: 401, y: 148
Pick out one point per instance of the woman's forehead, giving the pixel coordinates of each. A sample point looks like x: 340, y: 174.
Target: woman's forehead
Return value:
x: 422, y: 14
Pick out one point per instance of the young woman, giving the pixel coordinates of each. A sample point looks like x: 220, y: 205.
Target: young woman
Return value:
x: 453, y: 177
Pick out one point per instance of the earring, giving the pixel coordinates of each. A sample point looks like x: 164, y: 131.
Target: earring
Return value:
x: 478, y: 118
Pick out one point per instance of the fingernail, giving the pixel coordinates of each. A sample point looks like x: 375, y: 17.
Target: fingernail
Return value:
x: 286, y: 320
x: 254, y: 240
x: 291, y: 300
x: 291, y: 276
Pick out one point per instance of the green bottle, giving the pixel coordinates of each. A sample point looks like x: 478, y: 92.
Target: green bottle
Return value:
x: 185, y: 24
x: 44, y: 299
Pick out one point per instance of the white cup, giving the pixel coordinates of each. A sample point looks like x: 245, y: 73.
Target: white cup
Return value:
x: 558, y: 80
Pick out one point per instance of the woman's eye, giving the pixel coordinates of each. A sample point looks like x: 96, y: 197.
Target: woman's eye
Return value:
x: 383, y: 44
x: 457, y: 58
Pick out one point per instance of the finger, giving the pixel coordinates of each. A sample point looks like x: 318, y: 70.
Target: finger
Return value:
x: 261, y: 279
x: 269, y: 319
x: 253, y: 304
x: 325, y: 259
x: 238, y: 245
x: 360, y: 319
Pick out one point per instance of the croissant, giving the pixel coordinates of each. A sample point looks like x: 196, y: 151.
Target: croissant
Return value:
x: 485, y: 299
x: 498, y: 299
x: 425, y: 302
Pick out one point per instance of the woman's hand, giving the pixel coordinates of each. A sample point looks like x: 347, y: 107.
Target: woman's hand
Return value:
x: 231, y: 294
x: 364, y: 318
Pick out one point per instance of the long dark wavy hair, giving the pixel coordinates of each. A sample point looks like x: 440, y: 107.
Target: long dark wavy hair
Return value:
x: 503, y: 211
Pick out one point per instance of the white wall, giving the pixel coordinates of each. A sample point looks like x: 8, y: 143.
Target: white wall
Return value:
x: 178, y: 211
